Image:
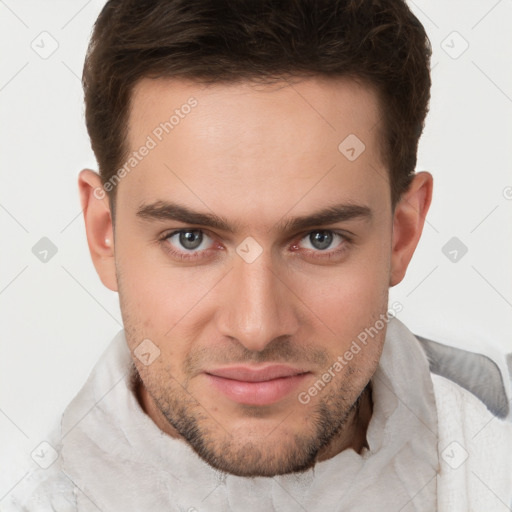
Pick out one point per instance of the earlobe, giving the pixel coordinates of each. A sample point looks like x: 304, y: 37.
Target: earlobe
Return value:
x: 408, y: 222
x: 98, y: 226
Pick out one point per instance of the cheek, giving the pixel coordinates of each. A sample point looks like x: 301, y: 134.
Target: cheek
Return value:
x: 349, y: 298
x: 169, y: 305
x: 351, y: 287
x: 352, y: 305
x: 156, y: 294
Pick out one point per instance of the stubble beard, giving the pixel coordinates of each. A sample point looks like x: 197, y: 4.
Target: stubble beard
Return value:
x: 251, y: 454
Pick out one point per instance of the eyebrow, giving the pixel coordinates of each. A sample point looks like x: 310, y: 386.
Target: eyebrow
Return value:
x: 167, y: 211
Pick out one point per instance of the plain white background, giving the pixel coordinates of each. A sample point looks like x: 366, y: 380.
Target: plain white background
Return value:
x: 57, y: 318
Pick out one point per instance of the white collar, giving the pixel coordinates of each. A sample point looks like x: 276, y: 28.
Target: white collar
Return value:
x: 121, y: 460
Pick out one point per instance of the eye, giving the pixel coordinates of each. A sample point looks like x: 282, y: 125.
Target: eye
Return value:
x: 189, y: 240
x: 323, y: 246
x: 321, y: 240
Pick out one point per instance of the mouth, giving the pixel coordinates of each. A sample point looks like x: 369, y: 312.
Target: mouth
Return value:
x: 256, y: 386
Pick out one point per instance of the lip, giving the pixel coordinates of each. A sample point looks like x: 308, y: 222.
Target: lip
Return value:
x: 256, y: 386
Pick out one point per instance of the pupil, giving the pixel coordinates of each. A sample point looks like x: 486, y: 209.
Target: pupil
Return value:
x: 191, y: 239
x: 321, y: 239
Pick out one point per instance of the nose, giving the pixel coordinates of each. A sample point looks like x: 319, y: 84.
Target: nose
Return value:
x: 256, y: 306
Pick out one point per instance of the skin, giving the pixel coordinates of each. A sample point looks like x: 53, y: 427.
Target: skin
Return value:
x: 257, y: 156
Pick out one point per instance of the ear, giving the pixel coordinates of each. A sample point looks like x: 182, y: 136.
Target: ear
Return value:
x: 408, y: 222
x: 98, y: 226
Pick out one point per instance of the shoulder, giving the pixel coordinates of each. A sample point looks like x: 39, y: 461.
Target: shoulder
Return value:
x: 464, y: 418
x: 474, y: 445
x: 456, y: 404
x: 42, y: 490
x: 485, y: 377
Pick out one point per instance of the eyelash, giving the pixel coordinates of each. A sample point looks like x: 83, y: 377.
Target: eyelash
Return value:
x: 182, y: 255
x: 194, y: 256
x: 327, y: 255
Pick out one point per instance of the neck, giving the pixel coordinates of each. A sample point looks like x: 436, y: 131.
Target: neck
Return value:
x: 353, y: 435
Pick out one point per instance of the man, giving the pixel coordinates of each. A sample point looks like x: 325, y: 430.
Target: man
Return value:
x: 256, y: 200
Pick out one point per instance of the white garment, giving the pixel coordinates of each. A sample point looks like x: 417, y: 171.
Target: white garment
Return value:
x: 114, y: 458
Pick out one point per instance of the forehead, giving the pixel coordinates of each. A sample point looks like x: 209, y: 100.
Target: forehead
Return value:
x: 278, y: 142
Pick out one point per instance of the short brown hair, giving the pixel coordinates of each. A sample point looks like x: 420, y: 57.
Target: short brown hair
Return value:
x: 378, y: 42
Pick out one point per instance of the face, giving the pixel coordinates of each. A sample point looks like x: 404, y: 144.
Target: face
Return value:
x: 250, y: 253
